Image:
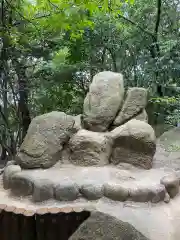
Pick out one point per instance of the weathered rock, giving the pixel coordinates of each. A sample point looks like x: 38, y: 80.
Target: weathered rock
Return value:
x: 45, y: 139
x: 66, y: 191
x: 9, y: 171
x: 142, y: 116
x: 43, y: 190
x: 101, y: 226
x: 103, y: 101
x: 116, y: 191
x: 152, y: 193
x: 21, y: 184
x: 171, y: 183
x: 135, y: 102
x: 92, y: 191
x: 158, y: 193
x: 134, y: 143
x: 90, y: 148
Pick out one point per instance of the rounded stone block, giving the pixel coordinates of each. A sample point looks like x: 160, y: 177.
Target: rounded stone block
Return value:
x: 90, y: 148
x: 66, y: 191
x: 92, y: 191
x: 21, y: 184
x: 9, y: 171
x: 171, y: 183
x: 43, y: 190
x: 116, y: 192
x: 154, y: 194
x: 158, y: 193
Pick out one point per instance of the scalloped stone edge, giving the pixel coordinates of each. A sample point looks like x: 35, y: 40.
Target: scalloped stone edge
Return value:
x: 169, y: 185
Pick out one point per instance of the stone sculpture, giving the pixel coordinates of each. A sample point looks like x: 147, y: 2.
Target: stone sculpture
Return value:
x: 105, y: 152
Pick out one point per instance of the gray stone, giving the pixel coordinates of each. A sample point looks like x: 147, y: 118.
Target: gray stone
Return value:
x: 103, y: 101
x: 116, y: 191
x: 21, y: 184
x: 90, y: 148
x: 142, y: 116
x: 134, y: 143
x: 92, y: 191
x: 45, y: 139
x: 43, y: 190
x: 135, y: 102
x: 158, y: 193
x: 171, y: 183
x: 101, y: 226
x: 9, y: 171
x: 66, y: 191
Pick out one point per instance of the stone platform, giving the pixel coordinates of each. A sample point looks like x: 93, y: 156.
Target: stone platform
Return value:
x: 69, y: 183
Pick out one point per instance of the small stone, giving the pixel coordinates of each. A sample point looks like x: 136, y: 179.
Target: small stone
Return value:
x: 66, y: 191
x: 9, y: 171
x: 158, y: 193
x: 140, y: 194
x: 92, y: 191
x: 116, y: 192
x: 171, y: 183
x: 90, y: 148
x: 43, y: 190
x: 21, y: 184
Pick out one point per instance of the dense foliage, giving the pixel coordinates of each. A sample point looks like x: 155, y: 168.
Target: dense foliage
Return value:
x: 50, y: 50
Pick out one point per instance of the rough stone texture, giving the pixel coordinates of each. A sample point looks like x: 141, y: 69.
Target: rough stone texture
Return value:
x: 44, y: 140
x: 90, y: 148
x: 100, y: 226
x: 43, y: 190
x: 116, y: 191
x: 142, y: 116
x: 103, y: 101
x: 66, y: 191
x: 135, y: 102
x: 171, y: 182
x: 21, y: 184
x: 134, y: 143
x: 9, y: 171
x: 145, y: 194
x: 92, y: 191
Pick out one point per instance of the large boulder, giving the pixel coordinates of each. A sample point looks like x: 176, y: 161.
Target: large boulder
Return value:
x: 101, y: 226
x: 103, y: 101
x: 90, y: 148
x: 45, y: 139
x: 134, y: 104
x: 134, y: 143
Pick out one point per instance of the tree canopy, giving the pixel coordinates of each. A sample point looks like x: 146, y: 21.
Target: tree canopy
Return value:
x: 51, y: 49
